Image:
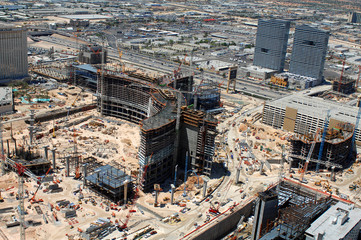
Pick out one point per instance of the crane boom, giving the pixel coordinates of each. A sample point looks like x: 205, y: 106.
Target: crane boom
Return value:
x: 136, y: 194
x: 120, y: 59
x: 309, y: 156
x: 354, y: 131
x: 323, y: 139
x: 77, y: 96
x: 343, y: 68
x: 42, y: 180
x: 180, y: 65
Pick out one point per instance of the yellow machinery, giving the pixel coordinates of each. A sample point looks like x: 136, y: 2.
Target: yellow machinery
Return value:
x: 326, y: 185
x: 77, y: 96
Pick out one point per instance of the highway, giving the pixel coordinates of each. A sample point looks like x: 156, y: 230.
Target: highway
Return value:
x: 167, y: 66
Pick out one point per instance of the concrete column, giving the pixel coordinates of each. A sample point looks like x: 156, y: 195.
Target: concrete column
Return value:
x: 126, y: 191
x: 237, y: 174
x: 85, y: 173
x: 67, y: 165
x: 261, y: 168
x: 333, y: 174
x: 46, y: 151
x: 290, y: 169
x: 195, y: 101
x: 172, y: 194
x: 7, y: 142
x: 205, y: 188
x: 156, y: 198
x: 31, y: 127
x: 54, y: 163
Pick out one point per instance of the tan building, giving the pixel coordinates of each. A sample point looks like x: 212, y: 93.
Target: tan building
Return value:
x: 13, y: 53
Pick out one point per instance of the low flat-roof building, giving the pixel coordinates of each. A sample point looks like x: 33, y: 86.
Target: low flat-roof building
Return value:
x: 6, y: 100
x: 341, y: 221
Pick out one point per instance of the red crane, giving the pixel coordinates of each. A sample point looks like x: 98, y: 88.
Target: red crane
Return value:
x: 136, y: 195
x: 179, y: 67
x: 33, y: 200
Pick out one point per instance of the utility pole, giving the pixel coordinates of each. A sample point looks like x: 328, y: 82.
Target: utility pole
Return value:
x: 2, y: 150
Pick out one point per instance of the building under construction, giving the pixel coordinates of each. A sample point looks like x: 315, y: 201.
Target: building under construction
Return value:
x: 31, y: 159
x: 286, y: 211
x: 346, y: 86
x: 305, y: 116
x: 208, y: 97
x: 163, y: 122
x: 92, y: 54
x: 111, y: 182
x: 335, y: 152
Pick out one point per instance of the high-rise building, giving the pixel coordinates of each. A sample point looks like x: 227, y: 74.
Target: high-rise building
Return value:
x: 354, y: 17
x: 271, y: 44
x: 13, y: 53
x: 309, y: 52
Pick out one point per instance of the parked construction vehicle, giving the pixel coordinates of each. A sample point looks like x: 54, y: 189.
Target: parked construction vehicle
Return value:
x: 326, y: 185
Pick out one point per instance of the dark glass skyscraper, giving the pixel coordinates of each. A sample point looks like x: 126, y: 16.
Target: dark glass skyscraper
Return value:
x: 271, y: 44
x: 309, y: 51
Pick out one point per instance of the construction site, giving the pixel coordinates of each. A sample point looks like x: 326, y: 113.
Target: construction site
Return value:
x: 108, y: 150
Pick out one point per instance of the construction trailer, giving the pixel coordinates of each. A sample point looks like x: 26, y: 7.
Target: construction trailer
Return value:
x: 336, y: 149
x: 111, y: 182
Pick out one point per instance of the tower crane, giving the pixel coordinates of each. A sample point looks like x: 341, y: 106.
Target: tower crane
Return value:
x: 327, y: 119
x: 135, y: 197
x: 180, y: 65
x: 77, y: 96
x: 343, y: 68
x: 21, y: 171
x: 354, y: 131
x: 304, y: 169
x: 33, y: 200
x: 120, y: 59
